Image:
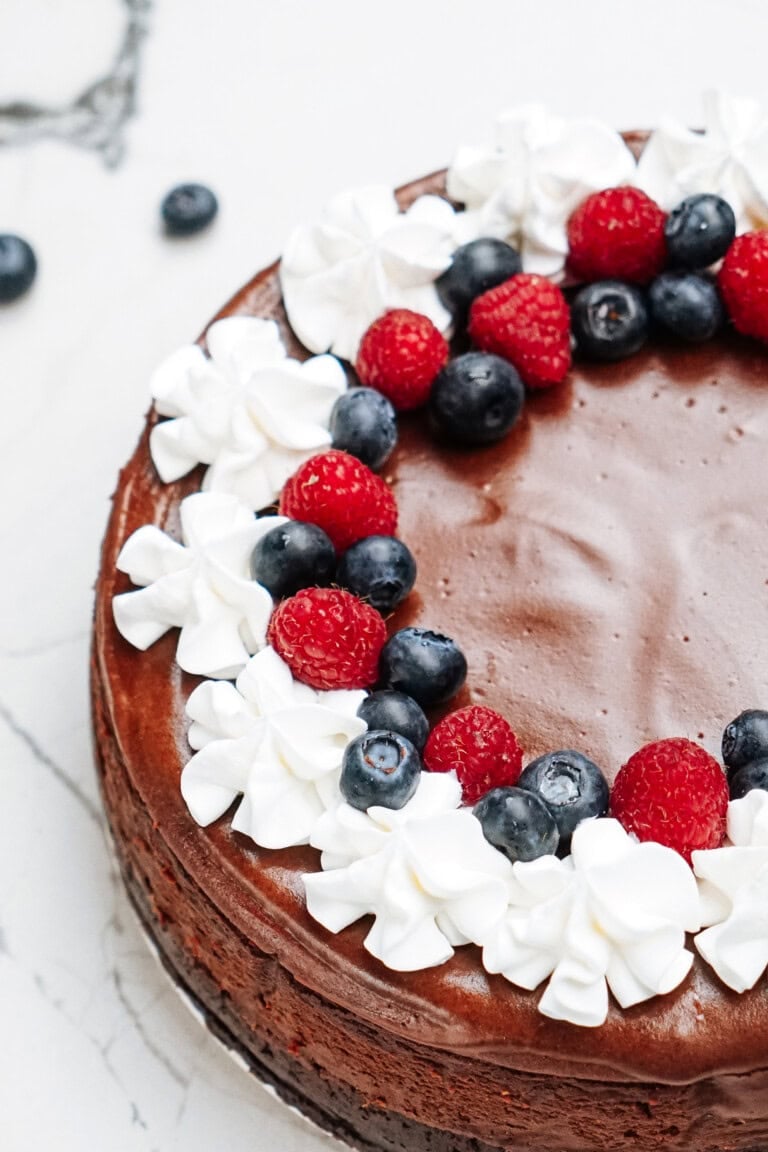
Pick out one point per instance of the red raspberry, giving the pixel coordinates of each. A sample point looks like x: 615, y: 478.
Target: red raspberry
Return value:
x: 479, y: 745
x: 526, y: 321
x: 617, y: 234
x: 328, y: 638
x: 342, y: 496
x: 400, y: 355
x: 743, y: 282
x: 673, y: 792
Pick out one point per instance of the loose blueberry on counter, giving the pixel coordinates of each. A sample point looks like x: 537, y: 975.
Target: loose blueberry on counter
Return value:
x: 422, y: 664
x: 379, y: 569
x: 609, y: 320
x: 364, y: 423
x: 476, y: 399
x: 572, y: 787
x: 379, y: 768
x: 699, y: 231
x: 518, y: 823
x: 188, y: 208
x: 395, y: 712
x: 292, y: 556
x: 745, y: 739
x: 752, y: 775
x: 686, y: 305
x: 477, y: 266
x: 18, y: 267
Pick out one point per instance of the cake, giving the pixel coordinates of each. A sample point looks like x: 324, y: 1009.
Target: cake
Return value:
x: 604, y: 570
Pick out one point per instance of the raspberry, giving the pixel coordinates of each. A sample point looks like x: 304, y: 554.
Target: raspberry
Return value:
x: 743, y: 282
x: 328, y: 638
x: 479, y: 745
x: 673, y: 792
x: 342, y: 496
x: 617, y: 234
x: 400, y: 355
x: 525, y: 320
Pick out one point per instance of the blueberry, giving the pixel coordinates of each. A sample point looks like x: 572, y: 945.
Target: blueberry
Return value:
x: 18, y: 267
x: 476, y: 267
x: 518, y: 823
x: 379, y: 768
x: 363, y: 423
x: 686, y: 305
x: 752, y: 775
x: 291, y: 556
x: 609, y: 320
x: 476, y: 399
x: 188, y: 208
x: 699, y: 231
x: 396, y: 712
x: 379, y: 569
x: 745, y: 739
x: 423, y: 664
x: 572, y: 787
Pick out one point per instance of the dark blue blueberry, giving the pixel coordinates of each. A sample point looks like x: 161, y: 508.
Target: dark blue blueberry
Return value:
x: 379, y: 768
x: 188, y: 208
x: 476, y: 398
x: 363, y: 423
x: 609, y: 320
x: 18, y: 267
x: 572, y: 786
x: 476, y: 267
x: 422, y: 664
x: 752, y: 775
x: 686, y: 305
x: 379, y: 569
x: 396, y: 712
x: 699, y: 231
x: 518, y: 823
x: 291, y: 556
x: 745, y: 739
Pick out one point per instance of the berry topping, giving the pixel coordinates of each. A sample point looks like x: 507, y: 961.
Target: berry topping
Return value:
x: 380, y: 768
x: 379, y: 569
x: 476, y: 399
x: 572, y: 786
x: 686, y: 305
x: 609, y: 320
x: 188, y: 208
x: 743, y: 283
x: 752, y: 775
x: 423, y: 664
x: 745, y: 739
x: 699, y: 231
x: 395, y: 712
x: 328, y: 638
x: 363, y: 423
x: 617, y: 234
x: 476, y: 267
x: 479, y: 745
x: 18, y: 267
x: 525, y: 320
x: 293, y: 556
x: 518, y: 823
x: 400, y: 355
x: 342, y: 496
x: 673, y: 792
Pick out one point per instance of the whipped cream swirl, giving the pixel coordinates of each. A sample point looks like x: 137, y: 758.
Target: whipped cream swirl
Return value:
x: 363, y: 258
x: 729, y: 158
x: 202, y: 586
x: 524, y: 185
x: 246, y: 410
x: 613, y: 915
x: 274, y: 742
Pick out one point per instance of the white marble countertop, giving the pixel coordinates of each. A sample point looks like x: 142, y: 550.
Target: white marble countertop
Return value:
x: 276, y: 105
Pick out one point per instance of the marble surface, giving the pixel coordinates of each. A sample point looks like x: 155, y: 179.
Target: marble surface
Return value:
x: 276, y: 106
